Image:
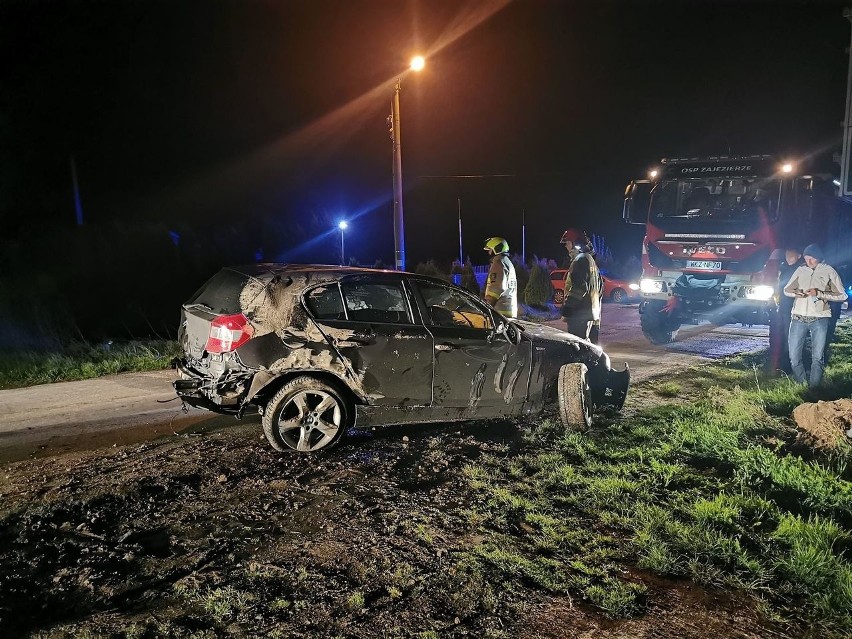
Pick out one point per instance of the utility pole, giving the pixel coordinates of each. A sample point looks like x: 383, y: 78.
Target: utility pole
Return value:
x: 461, y: 251
x: 342, y: 226
x: 78, y: 203
x: 845, y: 160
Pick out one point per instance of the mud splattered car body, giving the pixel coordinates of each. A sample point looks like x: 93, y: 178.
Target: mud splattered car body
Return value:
x: 314, y: 348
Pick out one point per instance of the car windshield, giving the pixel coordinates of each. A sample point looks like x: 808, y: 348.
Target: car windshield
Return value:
x: 740, y: 199
x: 221, y: 293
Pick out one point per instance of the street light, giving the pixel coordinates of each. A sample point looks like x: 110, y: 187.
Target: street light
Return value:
x: 417, y: 64
x: 342, y: 225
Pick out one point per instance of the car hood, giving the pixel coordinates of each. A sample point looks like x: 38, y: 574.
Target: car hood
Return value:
x: 539, y: 333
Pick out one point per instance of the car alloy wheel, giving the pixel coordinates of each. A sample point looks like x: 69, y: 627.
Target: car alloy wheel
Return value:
x: 618, y: 295
x: 558, y: 297
x: 305, y: 416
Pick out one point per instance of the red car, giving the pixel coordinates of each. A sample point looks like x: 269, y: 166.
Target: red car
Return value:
x: 614, y: 289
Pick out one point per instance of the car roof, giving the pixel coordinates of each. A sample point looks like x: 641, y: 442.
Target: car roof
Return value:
x: 318, y: 272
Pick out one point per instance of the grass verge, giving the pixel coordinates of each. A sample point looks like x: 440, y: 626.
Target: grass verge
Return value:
x: 715, y: 488
x: 81, y: 360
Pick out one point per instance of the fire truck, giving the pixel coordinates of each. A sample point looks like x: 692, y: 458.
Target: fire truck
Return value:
x: 715, y: 232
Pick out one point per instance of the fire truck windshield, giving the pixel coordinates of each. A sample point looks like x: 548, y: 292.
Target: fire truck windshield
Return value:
x: 706, y: 200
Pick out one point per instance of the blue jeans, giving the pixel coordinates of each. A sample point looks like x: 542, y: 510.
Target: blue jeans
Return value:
x: 799, y: 332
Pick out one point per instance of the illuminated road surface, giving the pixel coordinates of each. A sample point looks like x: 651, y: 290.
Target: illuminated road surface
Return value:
x: 622, y: 339
x: 123, y: 409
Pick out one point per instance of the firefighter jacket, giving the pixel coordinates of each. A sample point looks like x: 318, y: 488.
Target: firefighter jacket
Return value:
x: 827, y: 283
x: 501, y: 288
x: 583, y: 290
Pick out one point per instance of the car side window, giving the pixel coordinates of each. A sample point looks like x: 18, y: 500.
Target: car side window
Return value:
x: 450, y: 307
x: 379, y: 302
x: 325, y: 303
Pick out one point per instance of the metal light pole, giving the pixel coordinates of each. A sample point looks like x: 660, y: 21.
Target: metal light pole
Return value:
x: 342, y: 226
x: 417, y: 64
x: 398, y: 221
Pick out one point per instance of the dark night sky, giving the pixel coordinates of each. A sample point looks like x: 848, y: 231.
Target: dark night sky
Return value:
x: 259, y: 114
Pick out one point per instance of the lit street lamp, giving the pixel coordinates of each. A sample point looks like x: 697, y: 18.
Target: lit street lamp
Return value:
x: 342, y: 226
x: 417, y: 64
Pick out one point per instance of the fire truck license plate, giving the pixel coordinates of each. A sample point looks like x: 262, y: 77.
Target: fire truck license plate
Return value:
x: 704, y: 265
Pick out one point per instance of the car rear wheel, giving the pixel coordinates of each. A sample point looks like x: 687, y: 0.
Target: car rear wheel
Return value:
x: 575, y: 396
x: 558, y: 297
x: 618, y: 295
x: 306, y: 415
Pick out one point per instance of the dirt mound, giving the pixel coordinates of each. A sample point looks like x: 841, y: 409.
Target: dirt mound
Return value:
x: 825, y: 423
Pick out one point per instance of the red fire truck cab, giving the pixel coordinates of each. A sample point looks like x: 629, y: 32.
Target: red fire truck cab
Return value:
x: 715, y: 230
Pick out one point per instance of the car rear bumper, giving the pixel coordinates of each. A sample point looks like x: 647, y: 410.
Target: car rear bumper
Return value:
x: 201, y: 391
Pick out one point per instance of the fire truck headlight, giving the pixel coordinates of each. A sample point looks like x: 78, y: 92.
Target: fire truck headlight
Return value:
x: 633, y: 286
x: 761, y: 292
x: 650, y: 286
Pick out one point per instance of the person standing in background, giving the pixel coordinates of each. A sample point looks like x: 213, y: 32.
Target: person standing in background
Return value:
x: 812, y: 286
x: 582, y: 306
x: 792, y: 261
x: 501, y: 288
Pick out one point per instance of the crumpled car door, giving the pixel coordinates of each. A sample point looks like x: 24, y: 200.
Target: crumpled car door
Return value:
x: 474, y: 367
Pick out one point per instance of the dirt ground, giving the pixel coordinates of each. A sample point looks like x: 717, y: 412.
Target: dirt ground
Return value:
x: 213, y: 534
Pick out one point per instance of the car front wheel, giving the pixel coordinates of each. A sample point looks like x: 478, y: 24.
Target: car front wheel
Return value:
x: 305, y: 416
x: 575, y: 396
x: 618, y: 295
x: 558, y: 297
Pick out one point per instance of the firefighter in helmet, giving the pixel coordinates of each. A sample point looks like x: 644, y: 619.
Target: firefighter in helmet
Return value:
x: 501, y: 289
x: 583, y: 286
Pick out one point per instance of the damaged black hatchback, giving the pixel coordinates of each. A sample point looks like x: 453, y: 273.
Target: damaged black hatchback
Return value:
x: 316, y: 348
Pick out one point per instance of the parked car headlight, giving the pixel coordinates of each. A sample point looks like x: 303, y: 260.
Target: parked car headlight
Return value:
x: 761, y: 292
x: 650, y: 286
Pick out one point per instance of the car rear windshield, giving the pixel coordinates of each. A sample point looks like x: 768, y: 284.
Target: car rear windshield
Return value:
x: 221, y: 293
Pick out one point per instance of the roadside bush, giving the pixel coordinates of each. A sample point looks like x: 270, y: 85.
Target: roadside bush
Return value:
x: 468, y: 277
x: 521, y: 272
x: 431, y: 269
x: 538, y: 290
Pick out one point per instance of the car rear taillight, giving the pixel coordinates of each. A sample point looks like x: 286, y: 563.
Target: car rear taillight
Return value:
x: 228, y: 333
